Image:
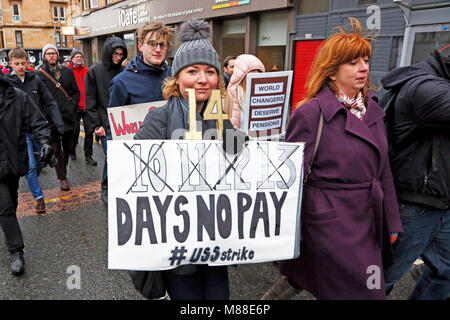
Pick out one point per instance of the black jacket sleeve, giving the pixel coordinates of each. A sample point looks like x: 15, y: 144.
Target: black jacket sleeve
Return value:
x: 51, y: 106
x: 73, y: 87
x: 91, y: 103
x: 430, y: 101
x: 35, y: 121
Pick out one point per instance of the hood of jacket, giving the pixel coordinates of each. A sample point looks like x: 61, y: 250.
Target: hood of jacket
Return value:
x: 110, y: 44
x: 242, y: 66
x: 138, y: 65
x: 435, y: 64
x: 6, y: 91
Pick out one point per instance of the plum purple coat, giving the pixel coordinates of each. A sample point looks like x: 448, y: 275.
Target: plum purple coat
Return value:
x: 349, y: 205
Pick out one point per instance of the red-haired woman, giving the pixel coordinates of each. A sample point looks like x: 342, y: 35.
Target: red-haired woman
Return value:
x: 349, y: 206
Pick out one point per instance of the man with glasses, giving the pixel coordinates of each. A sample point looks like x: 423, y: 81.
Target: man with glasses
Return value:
x: 143, y: 77
x: 60, y: 82
x: 97, y: 83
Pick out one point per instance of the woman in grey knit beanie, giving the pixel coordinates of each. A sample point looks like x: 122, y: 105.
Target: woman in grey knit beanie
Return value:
x: 195, y: 66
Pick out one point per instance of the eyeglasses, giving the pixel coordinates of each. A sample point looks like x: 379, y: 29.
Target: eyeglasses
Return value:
x: 153, y: 44
x: 50, y: 53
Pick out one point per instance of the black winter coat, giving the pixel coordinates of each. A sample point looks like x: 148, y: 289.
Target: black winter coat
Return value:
x: 67, y: 108
x: 37, y: 91
x: 18, y: 115
x: 421, y: 132
x: 98, y: 80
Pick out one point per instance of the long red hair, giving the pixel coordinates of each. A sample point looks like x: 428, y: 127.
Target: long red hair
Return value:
x: 339, y: 48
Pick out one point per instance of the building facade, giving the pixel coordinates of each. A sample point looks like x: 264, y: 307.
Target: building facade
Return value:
x: 32, y: 24
x: 392, y: 23
x: 247, y: 26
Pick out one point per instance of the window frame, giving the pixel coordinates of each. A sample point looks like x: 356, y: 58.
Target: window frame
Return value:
x: 16, y: 5
x: 19, y: 44
x: 92, y: 5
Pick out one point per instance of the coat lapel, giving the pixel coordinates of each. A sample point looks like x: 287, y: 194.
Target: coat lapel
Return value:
x: 330, y: 106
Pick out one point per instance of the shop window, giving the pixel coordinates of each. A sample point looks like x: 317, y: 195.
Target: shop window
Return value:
x: 426, y: 42
x: 19, y: 39
x: 129, y: 39
x: 316, y: 6
x: 233, y: 39
x: 58, y: 39
x: 272, y: 37
x: 93, y: 3
x: 396, y: 52
x: 16, y: 12
x: 59, y: 14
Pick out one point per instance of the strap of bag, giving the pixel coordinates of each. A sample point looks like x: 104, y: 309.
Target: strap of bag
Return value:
x: 316, y: 146
x: 57, y: 84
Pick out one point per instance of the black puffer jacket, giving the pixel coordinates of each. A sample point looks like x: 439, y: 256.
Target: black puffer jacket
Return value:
x: 98, y: 80
x: 67, y: 107
x: 421, y: 131
x: 18, y: 115
x: 37, y: 91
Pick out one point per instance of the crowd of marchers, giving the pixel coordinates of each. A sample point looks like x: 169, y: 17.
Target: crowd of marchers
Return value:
x: 371, y: 196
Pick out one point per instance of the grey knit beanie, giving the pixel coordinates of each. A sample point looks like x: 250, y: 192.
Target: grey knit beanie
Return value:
x: 195, y: 47
x: 74, y: 52
x: 49, y: 46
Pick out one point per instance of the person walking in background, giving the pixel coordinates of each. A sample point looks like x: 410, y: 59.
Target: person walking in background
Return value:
x: 18, y: 115
x: 243, y: 65
x: 62, y: 85
x: 27, y: 81
x: 142, y: 79
x: 420, y: 153
x: 97, y: 84
x: 349, y: 207
x: 80, y: 71
x: 228, y: 66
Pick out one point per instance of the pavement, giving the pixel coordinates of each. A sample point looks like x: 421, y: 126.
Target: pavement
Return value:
x: 71, y: 239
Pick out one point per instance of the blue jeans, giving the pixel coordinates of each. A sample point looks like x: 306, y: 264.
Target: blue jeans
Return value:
x: 104, y: 141
x: 426, y: 234
x: 33, y: 168
x: 207, y: 283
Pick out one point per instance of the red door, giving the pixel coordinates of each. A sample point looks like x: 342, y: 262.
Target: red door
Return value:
x: 305, y: 51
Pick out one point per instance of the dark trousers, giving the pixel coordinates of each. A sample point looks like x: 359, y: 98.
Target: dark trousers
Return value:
x: 88, y: 134
x: 8, y: 218
x: 63, y: 146
x: 207, y: 283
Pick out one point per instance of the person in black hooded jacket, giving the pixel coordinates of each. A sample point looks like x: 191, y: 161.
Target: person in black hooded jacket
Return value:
x: 97, y: 83
x: 419, y: 155
x: 18, y: 115
x: 27, y: 81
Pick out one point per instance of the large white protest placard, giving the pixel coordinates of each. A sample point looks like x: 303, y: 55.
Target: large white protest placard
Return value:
x: 266, y: 105
x: 125, y: 121
x: 176, y: 202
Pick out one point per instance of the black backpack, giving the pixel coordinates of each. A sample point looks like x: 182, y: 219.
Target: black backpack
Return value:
x: 387, y: 102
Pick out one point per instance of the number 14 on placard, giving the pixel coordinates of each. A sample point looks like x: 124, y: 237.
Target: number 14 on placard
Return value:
x: 214, y: 101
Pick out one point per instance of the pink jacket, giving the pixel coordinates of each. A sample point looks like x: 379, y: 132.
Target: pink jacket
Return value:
x: 242, y: 66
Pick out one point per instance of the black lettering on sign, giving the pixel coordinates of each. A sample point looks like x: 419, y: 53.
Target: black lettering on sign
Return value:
x: 143, y: 204
x: 181, y: 236
x: 244, y: 204
x: 205, y: 217
x: 162, y: 210
x: 278, y: 204
x: 124, y: 227
x: 260, y: 211
x: 224, y: 220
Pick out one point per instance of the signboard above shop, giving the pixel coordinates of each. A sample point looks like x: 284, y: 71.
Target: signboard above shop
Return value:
x: 130, y: 15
